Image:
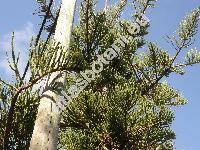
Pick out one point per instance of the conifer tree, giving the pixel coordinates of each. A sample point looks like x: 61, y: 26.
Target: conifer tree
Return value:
x: 126, y: 107
x: 45, y: 134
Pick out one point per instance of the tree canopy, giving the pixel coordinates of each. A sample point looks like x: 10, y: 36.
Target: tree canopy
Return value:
x: 127, y: 107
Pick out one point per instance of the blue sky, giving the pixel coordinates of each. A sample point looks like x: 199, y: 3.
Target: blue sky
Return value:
x: 16, y: 15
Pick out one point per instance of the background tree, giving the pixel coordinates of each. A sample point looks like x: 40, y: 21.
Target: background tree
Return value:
x: 128, y: 106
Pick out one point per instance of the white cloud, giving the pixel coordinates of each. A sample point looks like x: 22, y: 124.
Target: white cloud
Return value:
x: 21, y: 44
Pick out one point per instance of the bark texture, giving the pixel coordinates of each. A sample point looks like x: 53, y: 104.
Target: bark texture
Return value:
x: 46, y: 129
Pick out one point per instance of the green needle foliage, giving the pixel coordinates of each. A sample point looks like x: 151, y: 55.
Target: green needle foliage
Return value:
x: 127, y: 107
x: 134, y: 112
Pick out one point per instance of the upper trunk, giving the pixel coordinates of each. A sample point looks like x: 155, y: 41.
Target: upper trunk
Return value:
x: 46, y: 129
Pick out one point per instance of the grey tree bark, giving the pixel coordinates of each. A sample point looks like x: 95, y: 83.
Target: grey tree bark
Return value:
x: 105, y: 5
x: 46, y: 129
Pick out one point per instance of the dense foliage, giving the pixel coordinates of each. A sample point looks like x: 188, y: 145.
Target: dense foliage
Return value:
x: 128, y: 105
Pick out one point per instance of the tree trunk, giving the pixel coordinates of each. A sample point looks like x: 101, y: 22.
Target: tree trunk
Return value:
x: 46, y: 129
x: 105, y: 5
